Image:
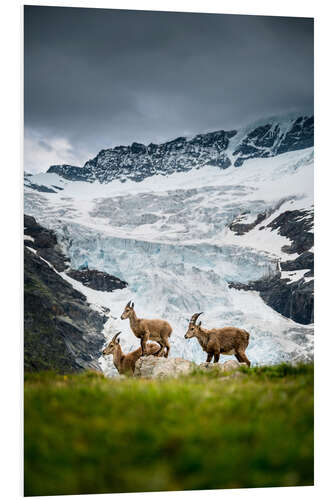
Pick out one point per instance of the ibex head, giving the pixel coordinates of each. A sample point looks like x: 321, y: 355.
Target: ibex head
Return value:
x: 128, y: 310
x: 109, y: 349
x: 193, y: 328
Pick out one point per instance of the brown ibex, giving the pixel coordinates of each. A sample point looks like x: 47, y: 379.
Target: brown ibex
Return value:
x: 148, y: 329
x: 227, y: 340
x: 125, y: 363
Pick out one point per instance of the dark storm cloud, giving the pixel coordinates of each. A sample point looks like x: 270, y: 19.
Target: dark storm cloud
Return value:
x: 96, y: 78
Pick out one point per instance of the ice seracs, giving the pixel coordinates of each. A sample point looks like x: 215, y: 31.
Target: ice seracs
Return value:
x: 169, y: 238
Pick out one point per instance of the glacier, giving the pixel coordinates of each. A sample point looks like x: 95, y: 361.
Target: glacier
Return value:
x: 169, y: 238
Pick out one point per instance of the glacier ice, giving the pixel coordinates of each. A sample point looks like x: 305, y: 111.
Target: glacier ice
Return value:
x: 170, y: 240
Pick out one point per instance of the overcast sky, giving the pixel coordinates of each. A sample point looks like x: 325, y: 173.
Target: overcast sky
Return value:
x: 97, y: 78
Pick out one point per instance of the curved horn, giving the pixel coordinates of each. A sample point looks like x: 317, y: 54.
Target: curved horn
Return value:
x: 114, y: 338
x: 195, y: 317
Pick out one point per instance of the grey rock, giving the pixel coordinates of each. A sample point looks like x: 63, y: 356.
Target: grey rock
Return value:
x: 45, y: 243
x: 227, y: 366
x: 155, y: 367
x: 270, y: 140
x: 292, y: 299
x: 61, y: 331
x: 97, y: 280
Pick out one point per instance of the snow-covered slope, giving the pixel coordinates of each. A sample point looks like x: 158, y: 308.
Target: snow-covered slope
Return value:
x: 169, y: 237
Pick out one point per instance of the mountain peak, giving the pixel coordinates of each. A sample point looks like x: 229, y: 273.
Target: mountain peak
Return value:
x: 136, y: 162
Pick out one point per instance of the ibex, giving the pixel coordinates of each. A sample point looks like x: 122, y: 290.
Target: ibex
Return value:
x: 227, y: 340
x: 148, y: 329
x: 125, y: 363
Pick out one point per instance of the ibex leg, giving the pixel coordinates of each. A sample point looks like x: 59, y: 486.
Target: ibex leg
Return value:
x: 209, y: 357
x: 216, y: 357
x: 160, y: 351
x: 167, y: 349
x: 243, y: 358
x: 144, y: 339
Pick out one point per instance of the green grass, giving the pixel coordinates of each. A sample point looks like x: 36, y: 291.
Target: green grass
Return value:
x: 88, y: 434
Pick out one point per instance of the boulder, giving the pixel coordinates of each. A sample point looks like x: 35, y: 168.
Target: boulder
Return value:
x: 155, y: 367
x: 228, y: 366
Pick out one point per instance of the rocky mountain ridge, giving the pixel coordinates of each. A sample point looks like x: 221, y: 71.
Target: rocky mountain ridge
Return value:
x: 221, y: 149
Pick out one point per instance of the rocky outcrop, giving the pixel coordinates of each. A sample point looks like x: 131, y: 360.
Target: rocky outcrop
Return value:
x: 297, y: 226
x: 240, y: 228
x: 294, y: 300
x: 45, y: 243
x: 97, y: 280
x: 61, y: 331
x: 304, y: 261
x: 299, y: 136
x: 287, y: 292
x: 272, y: 139
x: 155, y: 367
x: 228, y: 366
x: 69, y: 172
x: 139, y: 161
x: 37, y: 187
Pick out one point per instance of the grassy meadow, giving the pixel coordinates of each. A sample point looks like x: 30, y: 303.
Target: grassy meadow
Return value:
x: 88, y: 434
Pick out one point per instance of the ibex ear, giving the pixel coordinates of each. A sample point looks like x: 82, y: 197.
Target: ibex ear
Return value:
x: 199, y: 323
x: 118, y: 341
x: 132, y: 306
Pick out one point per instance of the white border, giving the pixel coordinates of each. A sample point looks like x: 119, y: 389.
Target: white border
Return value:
x: 11, y: 230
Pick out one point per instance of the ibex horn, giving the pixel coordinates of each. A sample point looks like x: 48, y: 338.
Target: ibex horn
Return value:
x: 114, y: 338
x: 195, y: 317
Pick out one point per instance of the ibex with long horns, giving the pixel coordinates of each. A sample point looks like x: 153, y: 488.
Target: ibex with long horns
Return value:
x: 158, y: 330
x: 228, y: 340
x: 125, y: 363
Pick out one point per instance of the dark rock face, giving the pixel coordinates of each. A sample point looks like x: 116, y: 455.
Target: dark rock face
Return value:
x: 240, y: 228
x: 297, y: 226
x: 271, y: 140
x: 97, y: 280
x: 258, y: 143
x: 294, y: 300
x: 61, y: 331
x: 37, y: 187
x: 40, y: 188
x: 304, y: 261
x: 300, y: 136
x: 45, y: 243
x: 69, y: 172
x: 136, y: 162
